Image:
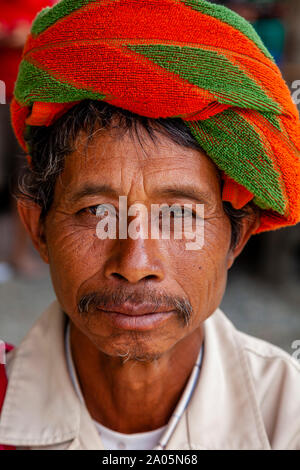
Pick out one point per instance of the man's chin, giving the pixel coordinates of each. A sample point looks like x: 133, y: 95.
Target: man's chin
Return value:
x: 132, y: 356
x: 139, y: 345
x: 125, y: 355
x: 132, y: 350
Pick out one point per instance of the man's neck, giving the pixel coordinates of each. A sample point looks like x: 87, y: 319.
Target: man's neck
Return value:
x: 133, y: 396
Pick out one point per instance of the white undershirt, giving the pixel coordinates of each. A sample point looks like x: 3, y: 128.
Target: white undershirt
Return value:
x: 113, y: 440
x: 156, y: 439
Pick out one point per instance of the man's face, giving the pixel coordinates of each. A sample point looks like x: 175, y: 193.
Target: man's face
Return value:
x: 151, y: 274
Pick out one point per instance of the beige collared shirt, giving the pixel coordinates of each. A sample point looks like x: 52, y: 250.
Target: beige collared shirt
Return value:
x: 247, y: 395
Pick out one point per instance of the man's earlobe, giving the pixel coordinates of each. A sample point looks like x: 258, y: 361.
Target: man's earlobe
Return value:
x: 29, y: 213
x: 249, y: 224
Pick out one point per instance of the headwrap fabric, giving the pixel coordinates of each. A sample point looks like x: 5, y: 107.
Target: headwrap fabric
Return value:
x: 165, y: 59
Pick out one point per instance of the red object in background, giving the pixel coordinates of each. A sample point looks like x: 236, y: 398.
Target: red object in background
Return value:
x: 3, y: 387
x: 12, y: 13
x: 10, y: 59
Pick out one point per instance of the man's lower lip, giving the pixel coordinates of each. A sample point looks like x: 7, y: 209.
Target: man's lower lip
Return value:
x: 137, y: 322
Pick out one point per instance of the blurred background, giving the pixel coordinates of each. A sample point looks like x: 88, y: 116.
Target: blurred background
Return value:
x: 263, y: 292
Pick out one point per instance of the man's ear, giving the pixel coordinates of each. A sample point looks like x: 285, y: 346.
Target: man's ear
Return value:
x: 248, y: 226
x: 29, y: 213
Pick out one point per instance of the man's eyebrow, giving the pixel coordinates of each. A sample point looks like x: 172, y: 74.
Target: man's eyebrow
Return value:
x: 92, y: 190
x: 182, y: 192
x: 186, y: 192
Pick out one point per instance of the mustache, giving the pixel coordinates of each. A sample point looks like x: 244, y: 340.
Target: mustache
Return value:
x: 103, y: 297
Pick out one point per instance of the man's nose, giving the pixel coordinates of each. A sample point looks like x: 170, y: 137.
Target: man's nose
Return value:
x: 135, y: 261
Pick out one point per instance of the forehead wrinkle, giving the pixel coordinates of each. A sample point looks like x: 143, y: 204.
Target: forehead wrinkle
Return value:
x: 145, y: 146
x: 91, y: 189
x: 199, y: 195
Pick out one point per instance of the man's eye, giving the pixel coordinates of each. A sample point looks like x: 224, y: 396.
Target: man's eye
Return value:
x: 88, y: 210
x: 99, y: 210
x: 181, y: 213
x: 94, y: 210
x: 177, y: 214
x: 190, y: 213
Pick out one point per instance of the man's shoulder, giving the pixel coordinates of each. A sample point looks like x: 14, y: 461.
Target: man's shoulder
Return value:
x: 275, y: 378
x: 259, y: 350
x: 48, y: 319
x: 274, y: 371
x: 268, y: 352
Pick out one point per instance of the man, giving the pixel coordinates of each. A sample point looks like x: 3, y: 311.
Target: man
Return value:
x: 190, y: 113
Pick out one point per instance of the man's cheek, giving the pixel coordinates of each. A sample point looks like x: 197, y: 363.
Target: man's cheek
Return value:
x: 203, y: 275
x: 74, y: 257
x: 69, y: 242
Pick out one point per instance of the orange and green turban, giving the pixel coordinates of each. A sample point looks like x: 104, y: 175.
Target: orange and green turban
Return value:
x: 167, y: 59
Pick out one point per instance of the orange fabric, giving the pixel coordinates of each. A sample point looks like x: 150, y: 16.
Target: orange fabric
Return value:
x: 235, y: 193
x: 44, y: 114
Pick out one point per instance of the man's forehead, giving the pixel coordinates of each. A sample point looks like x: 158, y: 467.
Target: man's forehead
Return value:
x: 115, y: 151
x: 111, y: 163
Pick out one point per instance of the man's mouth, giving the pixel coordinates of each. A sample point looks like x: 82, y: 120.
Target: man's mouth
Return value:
x: 141, y: 317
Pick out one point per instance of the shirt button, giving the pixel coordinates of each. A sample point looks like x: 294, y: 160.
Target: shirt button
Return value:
x: 121, y: 445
